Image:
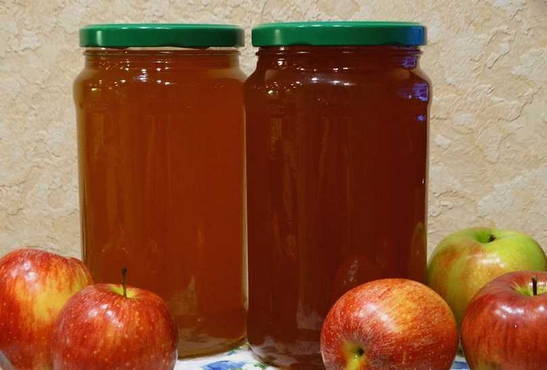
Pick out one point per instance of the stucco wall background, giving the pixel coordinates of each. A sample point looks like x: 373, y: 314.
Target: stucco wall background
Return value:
x: 487, y: 60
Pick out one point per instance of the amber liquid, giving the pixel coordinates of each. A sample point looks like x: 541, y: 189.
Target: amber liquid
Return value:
x: 336, y: 172
x: 161, y: 159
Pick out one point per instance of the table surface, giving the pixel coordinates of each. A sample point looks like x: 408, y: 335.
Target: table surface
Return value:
x: 242, y: 358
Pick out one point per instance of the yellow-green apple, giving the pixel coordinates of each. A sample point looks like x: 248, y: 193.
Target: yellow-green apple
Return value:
x: 463, y: 262
x: 389, y: 324
x: 107, y: 326
x: 505, y: 325
x: 34, y: 286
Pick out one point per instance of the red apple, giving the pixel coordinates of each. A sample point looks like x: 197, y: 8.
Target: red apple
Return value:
x: 505, y: 325
x: 389, y: 324
x: 463, y: 262
x: 34, y: 286
x: 108, y: 326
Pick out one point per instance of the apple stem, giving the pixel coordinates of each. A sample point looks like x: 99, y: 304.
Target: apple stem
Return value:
x: 534, y: 286
x: 491, y: 238
x: 124, y: 281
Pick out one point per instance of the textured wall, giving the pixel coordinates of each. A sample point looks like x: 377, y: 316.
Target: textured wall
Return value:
x: 487, y: 60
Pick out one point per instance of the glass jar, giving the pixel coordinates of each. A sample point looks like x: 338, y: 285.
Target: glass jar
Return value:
x: 161, y: 156
x: 336, y: 134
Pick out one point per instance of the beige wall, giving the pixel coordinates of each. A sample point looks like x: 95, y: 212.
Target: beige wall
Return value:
x: 487, y: 60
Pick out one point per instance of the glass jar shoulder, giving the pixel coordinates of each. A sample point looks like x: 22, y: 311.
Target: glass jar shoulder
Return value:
x: 270, y: 82
x: 120, y: 77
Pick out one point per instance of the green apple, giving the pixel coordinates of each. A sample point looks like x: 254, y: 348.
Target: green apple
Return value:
x: 465, y: 261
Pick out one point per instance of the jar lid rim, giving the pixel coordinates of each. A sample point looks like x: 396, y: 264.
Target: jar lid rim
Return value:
x: 122, y: 35
x: 335, y: 33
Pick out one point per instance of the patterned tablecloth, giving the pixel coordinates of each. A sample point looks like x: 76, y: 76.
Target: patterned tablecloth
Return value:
x: 241, y: 358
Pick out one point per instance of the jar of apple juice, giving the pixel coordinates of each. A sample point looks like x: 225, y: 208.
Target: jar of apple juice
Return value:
x: 161, y: 156
x: 337, y: 138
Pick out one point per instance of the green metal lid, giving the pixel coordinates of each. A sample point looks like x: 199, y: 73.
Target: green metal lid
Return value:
x: 160, y: 34
x: 339, y: 33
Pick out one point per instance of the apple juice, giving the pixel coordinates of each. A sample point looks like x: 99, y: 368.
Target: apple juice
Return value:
x: 337, y: 133
x: 161, y: 157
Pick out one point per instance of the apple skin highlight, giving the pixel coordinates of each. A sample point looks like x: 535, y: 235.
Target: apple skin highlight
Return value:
x: 389, y: 324
x: 100, y: 328
x: 505, y: 325
x: 34, y: 286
